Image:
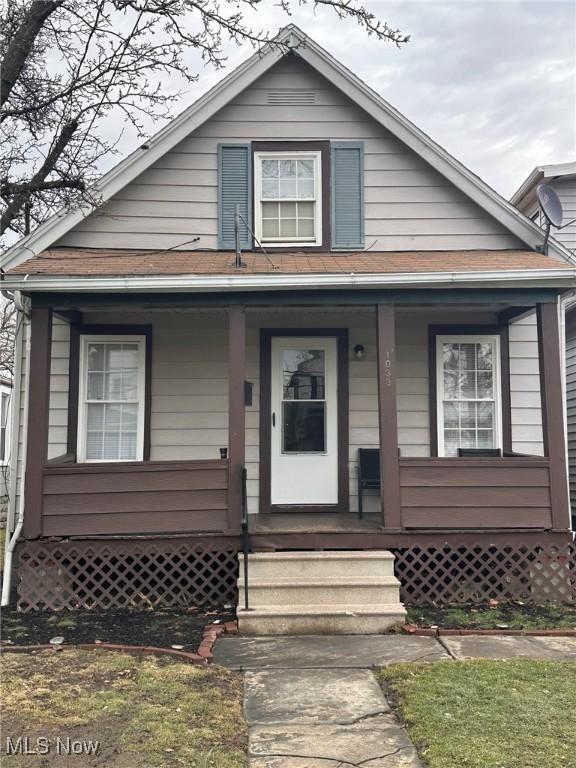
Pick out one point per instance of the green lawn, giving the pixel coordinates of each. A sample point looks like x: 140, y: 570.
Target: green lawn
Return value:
x: 144, y: 710
x: 488, y: 714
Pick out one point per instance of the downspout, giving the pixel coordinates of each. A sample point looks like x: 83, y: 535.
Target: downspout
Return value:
x: 23, y: 307
x: 14, y: 409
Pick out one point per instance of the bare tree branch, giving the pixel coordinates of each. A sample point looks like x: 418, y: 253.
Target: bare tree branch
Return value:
x: 7, y: 335
x: 38, y: 181
x: 22, y: 42
x: 71, y: 69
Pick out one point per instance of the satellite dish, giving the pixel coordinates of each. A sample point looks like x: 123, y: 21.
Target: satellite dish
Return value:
x: 550, y: 204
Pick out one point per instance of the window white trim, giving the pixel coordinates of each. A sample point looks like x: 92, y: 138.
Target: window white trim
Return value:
x: 305, y: 155
x: 470, y: 338
x: 86, y: 339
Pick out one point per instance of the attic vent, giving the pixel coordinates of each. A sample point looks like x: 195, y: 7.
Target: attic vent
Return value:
x: 291, y: 97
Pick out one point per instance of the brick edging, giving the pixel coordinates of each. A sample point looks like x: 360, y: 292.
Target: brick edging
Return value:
x: 203, y: 654
x: 412, y: 629
x: 211, y: 633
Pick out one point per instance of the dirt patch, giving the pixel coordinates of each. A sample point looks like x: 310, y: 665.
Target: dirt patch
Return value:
x: 161, y: 629
x: 119, y: 711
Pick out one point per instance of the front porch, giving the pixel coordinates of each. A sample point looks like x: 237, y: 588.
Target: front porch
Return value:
x: 206, y: 416
x: 207, y: 424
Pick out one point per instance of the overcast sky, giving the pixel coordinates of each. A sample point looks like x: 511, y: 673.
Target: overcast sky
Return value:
x: 493, y: 81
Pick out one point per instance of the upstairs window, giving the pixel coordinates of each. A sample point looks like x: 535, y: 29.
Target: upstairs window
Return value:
x: 288, y: 197
x: 111, y: 407
x: 468, y: 385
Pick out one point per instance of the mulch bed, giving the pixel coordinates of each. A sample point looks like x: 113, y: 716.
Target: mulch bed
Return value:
x: 157, y: 628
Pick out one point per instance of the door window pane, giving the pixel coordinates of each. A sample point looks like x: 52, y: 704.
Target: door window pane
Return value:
x: 304, y: 427
x: 303, y: 374
x: 303, y: 407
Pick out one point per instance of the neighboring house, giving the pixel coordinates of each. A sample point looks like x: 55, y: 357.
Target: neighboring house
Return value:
x: 380, y: 303
x: 5, y: 396
x: 562, y: 179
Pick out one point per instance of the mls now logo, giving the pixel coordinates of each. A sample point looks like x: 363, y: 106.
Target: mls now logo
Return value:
x: 24, y: 745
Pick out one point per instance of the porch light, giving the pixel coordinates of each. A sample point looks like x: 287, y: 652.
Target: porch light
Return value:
x: 359, y: 351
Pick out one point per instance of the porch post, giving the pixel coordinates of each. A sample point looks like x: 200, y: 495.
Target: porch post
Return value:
x: 38, y: 404
x: 236, y: 411
x: 388, y: 420
x: 553, y: 411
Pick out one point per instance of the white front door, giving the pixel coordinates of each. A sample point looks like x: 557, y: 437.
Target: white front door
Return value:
x: 304, y: 447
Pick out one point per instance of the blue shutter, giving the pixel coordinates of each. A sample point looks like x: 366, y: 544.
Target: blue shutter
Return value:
x: 234, y: 188
x: 347, y: 194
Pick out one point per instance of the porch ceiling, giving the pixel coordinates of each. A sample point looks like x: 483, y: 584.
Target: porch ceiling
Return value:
x: 96, y: 262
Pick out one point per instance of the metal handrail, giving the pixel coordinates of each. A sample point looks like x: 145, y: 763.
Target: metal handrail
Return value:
x: 245, y: 535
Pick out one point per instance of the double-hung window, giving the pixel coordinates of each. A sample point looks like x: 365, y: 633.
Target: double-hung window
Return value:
x: 112, y: 398
x: 468, y: 391
x: 288, y: 195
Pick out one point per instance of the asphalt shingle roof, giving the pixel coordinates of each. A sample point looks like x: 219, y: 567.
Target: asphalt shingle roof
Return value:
x: 97, y: 262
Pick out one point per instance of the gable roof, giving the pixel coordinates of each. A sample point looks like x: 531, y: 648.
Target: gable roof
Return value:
x: 291, y: 37
x: 524, y: 195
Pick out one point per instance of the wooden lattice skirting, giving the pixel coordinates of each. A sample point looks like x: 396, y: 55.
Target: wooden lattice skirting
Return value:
x: 168, y: 573
x: 475, y: 573
x: 172, y: 573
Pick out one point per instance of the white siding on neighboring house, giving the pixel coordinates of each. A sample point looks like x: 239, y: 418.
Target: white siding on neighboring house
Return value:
x: 566, y: 191
x: 6, y: 410
x: 565, y: 188
x: 408, y: 205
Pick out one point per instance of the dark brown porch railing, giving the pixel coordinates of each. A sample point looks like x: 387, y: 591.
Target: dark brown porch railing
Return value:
x: 245, y: 535
x: 475, y: 493
x: 135, y: 498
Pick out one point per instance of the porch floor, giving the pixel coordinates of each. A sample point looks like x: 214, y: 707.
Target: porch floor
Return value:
x: 312, y: 522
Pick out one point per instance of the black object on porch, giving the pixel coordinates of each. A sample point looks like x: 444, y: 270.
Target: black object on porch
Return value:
x: 368, y: 474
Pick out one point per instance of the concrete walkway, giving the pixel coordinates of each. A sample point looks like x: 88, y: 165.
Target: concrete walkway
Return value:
x: 366, y: 651
x: 313, y: 702
x: 302, y: 718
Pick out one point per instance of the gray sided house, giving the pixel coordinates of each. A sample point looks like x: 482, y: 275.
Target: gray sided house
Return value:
x: 562, y: 178
x: 387, y: 331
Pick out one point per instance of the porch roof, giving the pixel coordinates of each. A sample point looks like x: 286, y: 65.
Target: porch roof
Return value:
x: 101, y: 262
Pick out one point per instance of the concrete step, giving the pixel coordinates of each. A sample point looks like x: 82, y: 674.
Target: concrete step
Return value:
x: 289, y: 593
x: 332, y: 564
x: 321, y: 620
x: 336, y: 592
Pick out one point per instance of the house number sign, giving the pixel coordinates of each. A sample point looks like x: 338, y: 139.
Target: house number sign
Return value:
x: 388, y: 369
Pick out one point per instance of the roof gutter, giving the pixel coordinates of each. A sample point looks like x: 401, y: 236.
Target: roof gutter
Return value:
x: 255, y: 282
